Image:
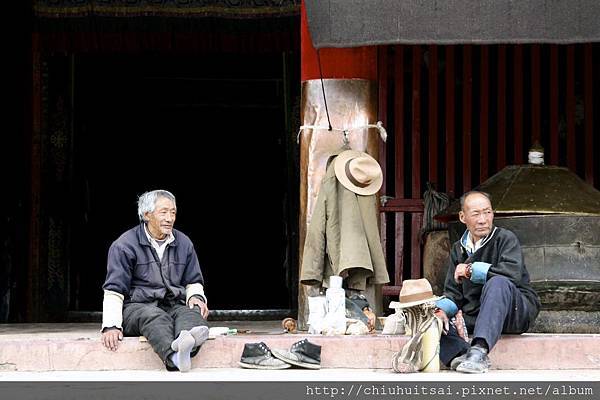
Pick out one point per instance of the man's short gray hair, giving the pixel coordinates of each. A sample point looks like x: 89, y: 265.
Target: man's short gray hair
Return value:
x: 147, y: 201
x: 464, y: 197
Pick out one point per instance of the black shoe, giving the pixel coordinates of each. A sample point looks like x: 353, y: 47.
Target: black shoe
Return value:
x: 457, y: 360
x: 476, y: 362
x: 259, y: 356
x: 302, y: 354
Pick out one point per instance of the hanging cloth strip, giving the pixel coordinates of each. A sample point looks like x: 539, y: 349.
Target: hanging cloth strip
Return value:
x: 378, y: 125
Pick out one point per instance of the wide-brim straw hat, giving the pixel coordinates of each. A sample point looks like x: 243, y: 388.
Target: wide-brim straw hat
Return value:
x: 358, y: 172
x: 413, y: 293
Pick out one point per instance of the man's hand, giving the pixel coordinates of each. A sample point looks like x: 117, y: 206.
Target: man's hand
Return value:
x: 462, y: 271
x: 194, y: 301
x: 441, y: 314
x: 111, y: 338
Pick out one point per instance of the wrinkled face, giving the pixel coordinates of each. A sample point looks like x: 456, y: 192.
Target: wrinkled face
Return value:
x: 477, y: 215
x: 160, y: 221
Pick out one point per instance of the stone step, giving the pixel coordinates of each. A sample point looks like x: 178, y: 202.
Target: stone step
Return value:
x: 67, y: 350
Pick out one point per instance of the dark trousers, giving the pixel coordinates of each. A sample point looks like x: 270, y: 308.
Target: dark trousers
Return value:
x: 503, y: 309
x: 160, y: 324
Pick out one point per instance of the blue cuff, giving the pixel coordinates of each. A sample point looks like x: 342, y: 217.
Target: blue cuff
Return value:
x: 479, y: 273
x: 448, y: 306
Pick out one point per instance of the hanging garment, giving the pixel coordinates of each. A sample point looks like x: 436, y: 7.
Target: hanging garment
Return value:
x: 343, y: 237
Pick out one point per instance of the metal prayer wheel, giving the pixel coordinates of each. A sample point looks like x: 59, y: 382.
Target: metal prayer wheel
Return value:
x: 556, y: 217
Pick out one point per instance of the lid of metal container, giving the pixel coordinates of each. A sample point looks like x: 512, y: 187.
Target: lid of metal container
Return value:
x: 535, y: 189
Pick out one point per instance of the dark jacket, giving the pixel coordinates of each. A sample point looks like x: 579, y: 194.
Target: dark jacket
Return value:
x: 503, y: 252
x: 135, y: 271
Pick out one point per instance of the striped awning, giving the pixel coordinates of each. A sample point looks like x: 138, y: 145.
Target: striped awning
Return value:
x: 351, y: 23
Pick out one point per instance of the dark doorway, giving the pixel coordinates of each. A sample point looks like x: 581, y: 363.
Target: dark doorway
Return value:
x: 212, y: 130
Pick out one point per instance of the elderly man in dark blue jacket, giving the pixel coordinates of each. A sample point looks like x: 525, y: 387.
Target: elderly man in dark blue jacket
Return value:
x: 154, y: 286
x: 488, y: 281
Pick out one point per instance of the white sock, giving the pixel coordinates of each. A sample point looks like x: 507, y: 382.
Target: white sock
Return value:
x: 183, y: 346
x: 200, y: 334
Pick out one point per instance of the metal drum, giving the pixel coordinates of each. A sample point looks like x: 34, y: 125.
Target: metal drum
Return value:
x: 556, y: 217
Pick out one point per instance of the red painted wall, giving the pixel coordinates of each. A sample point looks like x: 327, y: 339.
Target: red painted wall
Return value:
x: 357, y: 62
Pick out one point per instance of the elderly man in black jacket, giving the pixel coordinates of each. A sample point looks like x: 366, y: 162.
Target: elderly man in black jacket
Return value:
x: 487, y: 280
x: 154, y: 286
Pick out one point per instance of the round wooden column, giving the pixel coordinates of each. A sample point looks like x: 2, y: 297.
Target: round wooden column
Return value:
x: 350, y: 80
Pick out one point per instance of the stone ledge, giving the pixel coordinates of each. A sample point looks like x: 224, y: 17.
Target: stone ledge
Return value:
x: 526, y: 352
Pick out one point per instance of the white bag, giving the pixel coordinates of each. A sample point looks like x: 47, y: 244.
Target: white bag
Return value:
x: 317, y: 309
x: 394, y: 324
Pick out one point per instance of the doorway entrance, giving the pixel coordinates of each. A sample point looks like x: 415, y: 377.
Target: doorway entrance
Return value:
x: 212, y: 129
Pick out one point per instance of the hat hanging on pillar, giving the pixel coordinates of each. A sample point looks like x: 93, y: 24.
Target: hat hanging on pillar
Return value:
x: 358, y: 172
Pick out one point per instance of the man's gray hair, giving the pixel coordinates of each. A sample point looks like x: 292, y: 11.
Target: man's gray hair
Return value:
x: 147, y: 201
x: 464, y: 197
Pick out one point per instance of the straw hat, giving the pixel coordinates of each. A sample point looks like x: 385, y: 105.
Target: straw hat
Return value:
x: 413, y: 293
x: 358, y: 172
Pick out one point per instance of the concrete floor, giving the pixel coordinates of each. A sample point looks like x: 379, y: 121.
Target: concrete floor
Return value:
x: 329, y: 374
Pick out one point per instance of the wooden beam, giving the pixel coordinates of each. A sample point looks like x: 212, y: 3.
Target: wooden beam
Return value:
x: 391, y: 290
x: 382, y: 115
x: 403, y: 205
x: 399, y: 162
x: 484, y: 113
x: 535, y: 94
x: 571, y: 135
x: 501, y: 159
x: 450, y: 145
x: 415, y: 245
x: 553, y: 104
x: 433, y: 114
x: 518, y: 103
x: 416, y: 122
x: 466, y: 117
x: 415, y: 250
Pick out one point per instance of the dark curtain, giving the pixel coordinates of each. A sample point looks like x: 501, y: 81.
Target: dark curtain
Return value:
x: 187, y: 26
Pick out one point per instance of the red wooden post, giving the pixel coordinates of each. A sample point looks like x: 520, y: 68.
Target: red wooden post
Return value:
x: 399, y: 151
x: 589, y: 113
x: 433, y: 115
x: 416, y: 160
x: 501, y: 160
x: 571, y: 139
x: 518, y: 104
x: 450, y: 146
x: 553, y: 104
x: 466, y: 117
x: 484, y: 114
x: 535, y: 93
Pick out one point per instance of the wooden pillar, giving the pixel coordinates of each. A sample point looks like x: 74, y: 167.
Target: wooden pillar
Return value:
x: 357, y: 68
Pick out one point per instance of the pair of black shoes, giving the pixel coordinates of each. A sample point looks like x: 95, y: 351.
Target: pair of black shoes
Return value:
x: 302, y: 354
